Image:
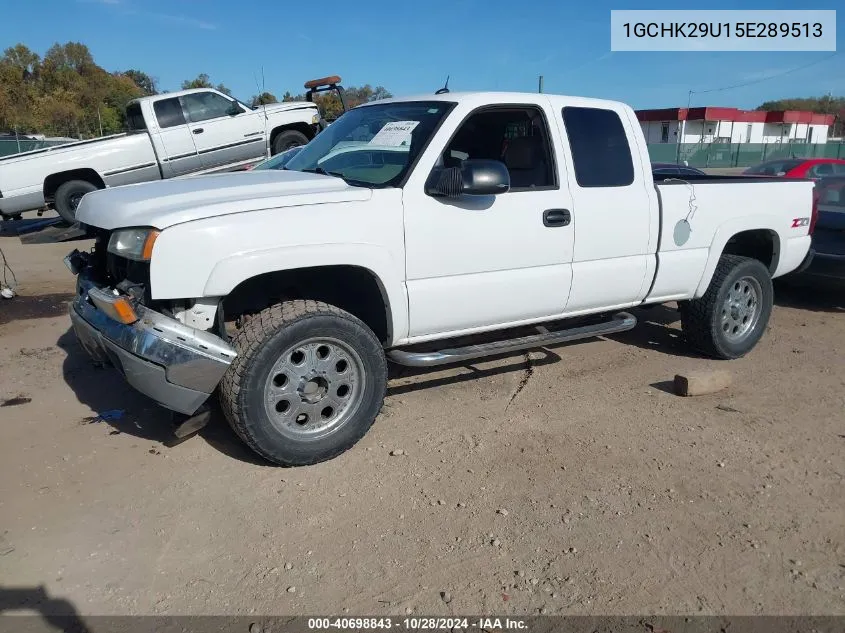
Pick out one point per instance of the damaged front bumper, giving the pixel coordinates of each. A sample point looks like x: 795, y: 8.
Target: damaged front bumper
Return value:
x: 176, y: 365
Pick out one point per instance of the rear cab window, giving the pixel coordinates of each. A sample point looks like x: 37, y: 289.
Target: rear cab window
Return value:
x: 601, y: 155
x: 135, y: 118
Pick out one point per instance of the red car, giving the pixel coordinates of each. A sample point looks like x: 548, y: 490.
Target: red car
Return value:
x: 813, y: 168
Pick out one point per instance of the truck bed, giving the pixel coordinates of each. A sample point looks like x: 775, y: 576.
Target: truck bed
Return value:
x: 698, y: 214
x: 712, y: 178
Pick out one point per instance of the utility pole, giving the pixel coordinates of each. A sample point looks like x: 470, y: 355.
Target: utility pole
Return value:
x: 540, y: 85
x: 100, y: 120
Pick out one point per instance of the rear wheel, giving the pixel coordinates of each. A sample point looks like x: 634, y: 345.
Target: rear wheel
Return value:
x: 731, y: 317
x: 287, y: 140
x: 69, y: 195
x: 307, y: 384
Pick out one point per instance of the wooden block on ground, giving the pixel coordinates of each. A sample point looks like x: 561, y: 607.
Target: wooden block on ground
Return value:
x: 699, y: 383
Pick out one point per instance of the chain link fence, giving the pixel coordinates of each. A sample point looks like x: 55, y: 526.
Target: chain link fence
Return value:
x: 8, y: 147
x: 739, y: 154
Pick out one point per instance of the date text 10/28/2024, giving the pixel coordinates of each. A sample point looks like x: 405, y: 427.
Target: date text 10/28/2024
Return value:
x: 417, y: 624
x: 731, y: 30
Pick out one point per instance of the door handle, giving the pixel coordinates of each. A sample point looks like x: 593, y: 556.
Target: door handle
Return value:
x: 198, y: 130
x: 556, y: 217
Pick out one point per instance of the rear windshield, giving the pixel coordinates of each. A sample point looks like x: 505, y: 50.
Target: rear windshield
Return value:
x: 773, y: 168
x: 134, y: 117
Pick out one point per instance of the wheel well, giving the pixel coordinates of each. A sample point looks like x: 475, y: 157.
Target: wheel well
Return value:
x: 306, y: 129
x: 759, y: 244
x: 54, y: 181
x: 350, y: 288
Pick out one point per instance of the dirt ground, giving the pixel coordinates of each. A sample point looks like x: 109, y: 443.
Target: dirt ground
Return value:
x: 570, y: 480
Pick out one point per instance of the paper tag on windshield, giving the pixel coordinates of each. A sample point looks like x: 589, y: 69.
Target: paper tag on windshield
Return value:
x: 395, y: 133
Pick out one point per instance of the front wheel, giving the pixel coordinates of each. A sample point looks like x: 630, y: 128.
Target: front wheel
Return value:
x: 731, y: 317
x: 287, y: 140
x: 307, y: 384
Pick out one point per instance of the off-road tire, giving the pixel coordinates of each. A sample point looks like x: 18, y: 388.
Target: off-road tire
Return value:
x: 260, y: 344
x: 65, y: 195
x: 701, y: 318
x: 287, y: 140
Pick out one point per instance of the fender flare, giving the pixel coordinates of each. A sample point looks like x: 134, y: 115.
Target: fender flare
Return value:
x: 726, y: 231
x: 229, y: 272
x: 79, y: 173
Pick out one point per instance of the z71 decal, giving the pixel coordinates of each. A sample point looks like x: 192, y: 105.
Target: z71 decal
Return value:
x: 799, y: 222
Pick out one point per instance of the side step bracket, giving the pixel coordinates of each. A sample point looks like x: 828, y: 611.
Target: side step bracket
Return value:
x: 620, y: 322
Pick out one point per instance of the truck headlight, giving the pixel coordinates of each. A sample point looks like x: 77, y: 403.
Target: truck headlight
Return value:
x: 134, y: 244
x: 315, y: 119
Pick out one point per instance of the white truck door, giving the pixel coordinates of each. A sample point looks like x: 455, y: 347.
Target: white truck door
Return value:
x: 613, y: 261
x: 173, y: 140
x: 223, y: 138
x: 477, y: 262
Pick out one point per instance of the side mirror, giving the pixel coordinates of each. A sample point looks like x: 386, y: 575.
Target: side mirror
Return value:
x: 234, y: 109
x: 475, y: 177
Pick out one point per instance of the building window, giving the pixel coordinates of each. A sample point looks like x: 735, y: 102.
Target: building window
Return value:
x: 664, y: 132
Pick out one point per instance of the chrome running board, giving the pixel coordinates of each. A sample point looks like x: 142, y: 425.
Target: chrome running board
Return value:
x: 620, y: 322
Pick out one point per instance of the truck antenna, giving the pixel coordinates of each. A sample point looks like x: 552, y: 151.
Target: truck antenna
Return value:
x: 261, y: 90
x: 445, y: 88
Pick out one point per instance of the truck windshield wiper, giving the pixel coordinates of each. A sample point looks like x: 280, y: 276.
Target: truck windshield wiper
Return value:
x: 349, y: 181
x: 323, y: 172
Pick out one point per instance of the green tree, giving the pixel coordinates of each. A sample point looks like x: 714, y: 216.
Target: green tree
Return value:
x: 823, y: 105
x: 64, y: 92
x: 22, y: 59
x: 145, y: 83
x: 202, y: 81
x: 19, y: 69
x: 380, y: 93
x: 826, y: 104
x: 263, y: 99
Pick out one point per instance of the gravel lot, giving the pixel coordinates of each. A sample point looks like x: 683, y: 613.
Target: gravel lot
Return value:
x: 568, y: 480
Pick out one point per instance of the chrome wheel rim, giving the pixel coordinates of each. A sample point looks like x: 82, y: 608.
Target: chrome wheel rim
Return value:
x: 74, y: 200
x: 741, y: 309
x: 314, y: 388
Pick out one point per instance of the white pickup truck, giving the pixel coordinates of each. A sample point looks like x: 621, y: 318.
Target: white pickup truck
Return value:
x: 173, y: 134
x: 421, y: 231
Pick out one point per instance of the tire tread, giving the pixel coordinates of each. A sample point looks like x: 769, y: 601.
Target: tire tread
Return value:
x: 697, y: 314
x: 248, y: 341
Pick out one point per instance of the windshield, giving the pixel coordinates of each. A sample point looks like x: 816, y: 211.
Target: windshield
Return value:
x: 374, y: 145
x: 279, y: 160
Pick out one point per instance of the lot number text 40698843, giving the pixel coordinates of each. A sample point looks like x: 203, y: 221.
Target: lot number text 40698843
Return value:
x: 420, y: 623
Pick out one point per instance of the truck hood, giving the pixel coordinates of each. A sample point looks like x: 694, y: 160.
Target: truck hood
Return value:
x: 167, y: 202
